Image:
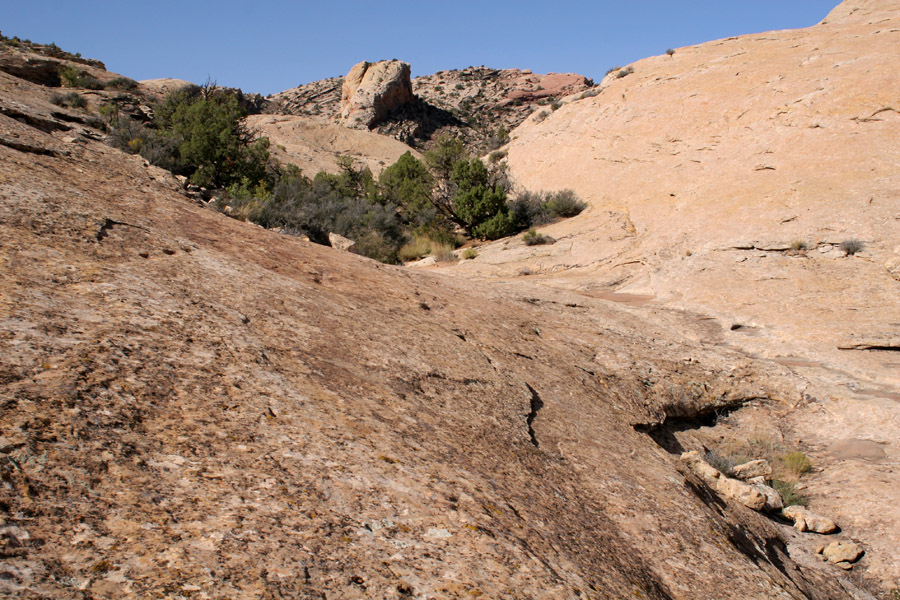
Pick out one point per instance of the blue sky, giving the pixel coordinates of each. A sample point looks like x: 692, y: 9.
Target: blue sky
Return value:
x: 267, y: 46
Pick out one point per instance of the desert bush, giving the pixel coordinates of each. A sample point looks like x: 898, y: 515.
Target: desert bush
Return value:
x: 541, y: 116
x: 121, y: 83
x: 90, y: 82
x: 564, y: 204
x: 71, y: 99
x: 670, y: 51
x: 625, y: 72
x: 407, y: 183
x: 799, y: 245
x: 469, y: 253
x: 555, y: 104
x: 797, y: 463
x: 722, y: 462
x: 443, y: 253
x: 533, y: 238
x: 68, y: 75
x: 500, y: 225
x: 214, y: 148
x: 478, y: 205
x: 852, y: 246
x: 528, y: 209
x: 418, y: 248
x: 789, y: 493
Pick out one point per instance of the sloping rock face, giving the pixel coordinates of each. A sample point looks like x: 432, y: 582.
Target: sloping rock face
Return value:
x: 371, y: 90
x: 194, y: 406
x: 723, y: 180
x: 315, y: 145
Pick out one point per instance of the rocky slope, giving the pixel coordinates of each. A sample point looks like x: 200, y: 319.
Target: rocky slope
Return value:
x: 194, y: 406
x: 471, y: 103
x: 724, y: 179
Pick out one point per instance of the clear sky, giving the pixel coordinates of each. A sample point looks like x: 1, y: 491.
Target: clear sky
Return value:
x: 267, y: 46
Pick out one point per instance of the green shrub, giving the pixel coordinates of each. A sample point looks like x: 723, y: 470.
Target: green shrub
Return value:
x: 670, y: 51
x: 469, y: 253
x: 799, y: 245
x: 789, y: 493
x: 407, y: 183
x: 418, y: 248
x: 533, y: 238
x: 541, y: 116
x: 213, y: 146
x: 443, y: 253
x: 852, y: 246
x: 68, y: 75
x: 797, y: 462
x: 90, y: 82
x: 500, y: 225
x: 121, y: 83
x: 564, y: 204
x: 722, y: 462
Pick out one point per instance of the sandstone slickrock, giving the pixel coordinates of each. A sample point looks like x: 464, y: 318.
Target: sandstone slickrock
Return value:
x: 701, y: 170
x: 371, y: 90
x: 805, y: 520
x: 195, y: 405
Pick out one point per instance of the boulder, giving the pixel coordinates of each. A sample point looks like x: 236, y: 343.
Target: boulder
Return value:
x: 843, y: 552
x: 754, y: 468
x: 805, y: 520
x: 774, y: 502
x: 703, y: 469
x: 372, y: 90
x: 339, y: 242
x: 747, y: 495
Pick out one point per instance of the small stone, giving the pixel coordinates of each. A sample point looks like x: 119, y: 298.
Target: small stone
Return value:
x: 844, y: 565
x: 805, y: 520
x: 754, y: 468
x: 698, y: 465
x: 774, y: 502
x: 837, y: 552
x: 740, y: 491
x: 820, y: 548
x: 757, y: 481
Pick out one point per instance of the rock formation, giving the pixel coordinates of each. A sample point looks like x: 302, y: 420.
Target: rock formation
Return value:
x: 372, y: 90
x: 456, y: 102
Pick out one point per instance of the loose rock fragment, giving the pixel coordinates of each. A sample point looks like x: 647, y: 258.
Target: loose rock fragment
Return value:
x: 743, y: 493
x: 774, y: 501
x: 805, y: 520
x: 698, y: 465
x: 843, y: 552
x: 754, y: 468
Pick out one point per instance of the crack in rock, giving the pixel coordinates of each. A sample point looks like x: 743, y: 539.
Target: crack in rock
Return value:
x: 536, y: 405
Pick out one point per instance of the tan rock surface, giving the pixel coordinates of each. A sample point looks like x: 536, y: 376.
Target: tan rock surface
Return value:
x: 316, y: 146
x: 192, y: 405
x: 702, y: 169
